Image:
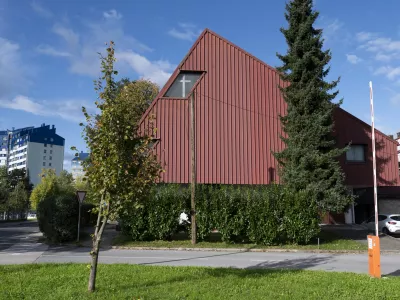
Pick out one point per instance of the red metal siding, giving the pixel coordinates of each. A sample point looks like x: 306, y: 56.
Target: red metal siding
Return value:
x: 237, y: 106
x: 237, y: 126
x: 349, y: 129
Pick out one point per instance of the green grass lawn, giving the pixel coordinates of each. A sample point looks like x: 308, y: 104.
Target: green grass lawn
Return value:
x: 69, y: 281
x: 328, y: 241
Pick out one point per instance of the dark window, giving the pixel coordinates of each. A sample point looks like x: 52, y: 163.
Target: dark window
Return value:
x: 49, y: 164
x: 44, y: 151
x: 381, y: 218
x: 44, y: 164
x: 50, y: 157
x: 396, y: 218
x: 356, y: 153
x: 45, y: 145
x: 182, y: 85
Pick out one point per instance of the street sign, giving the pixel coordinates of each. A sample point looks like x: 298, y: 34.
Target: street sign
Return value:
x: 81, y: 196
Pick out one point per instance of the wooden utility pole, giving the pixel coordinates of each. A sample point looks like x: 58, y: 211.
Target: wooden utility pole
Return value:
x: 193, y: 181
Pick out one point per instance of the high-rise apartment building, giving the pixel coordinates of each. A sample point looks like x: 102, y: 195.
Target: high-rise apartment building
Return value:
x: 76, y: 164
x: 33, y: 149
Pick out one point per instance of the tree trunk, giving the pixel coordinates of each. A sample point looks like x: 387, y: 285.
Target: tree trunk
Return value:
x: 96, y: 246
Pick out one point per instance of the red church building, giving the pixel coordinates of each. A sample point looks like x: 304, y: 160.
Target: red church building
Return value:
x: 237, y: 126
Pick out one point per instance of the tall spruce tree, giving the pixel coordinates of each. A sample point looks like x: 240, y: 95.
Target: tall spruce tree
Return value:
x: 310, y: 159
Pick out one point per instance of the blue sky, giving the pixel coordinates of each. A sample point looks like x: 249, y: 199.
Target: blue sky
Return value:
x: 48, y: 50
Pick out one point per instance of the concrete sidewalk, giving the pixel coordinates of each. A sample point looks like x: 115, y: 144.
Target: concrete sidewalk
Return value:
x: 357, y: 263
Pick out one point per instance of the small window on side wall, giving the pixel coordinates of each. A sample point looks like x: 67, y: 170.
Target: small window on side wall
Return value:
x: 182, y: 85
x: 356, y: 153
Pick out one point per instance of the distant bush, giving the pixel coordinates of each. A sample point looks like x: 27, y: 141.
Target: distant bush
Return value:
x: 259, y: 214
x: 88, y: 217
x: 58, y: 217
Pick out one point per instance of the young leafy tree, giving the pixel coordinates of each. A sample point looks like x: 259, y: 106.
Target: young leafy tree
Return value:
x: 18, y: 175
x: 52, y: 185
x: 18, y: 198
x: 310, y: 159
x: 122, y: 166
x: 4, y: 188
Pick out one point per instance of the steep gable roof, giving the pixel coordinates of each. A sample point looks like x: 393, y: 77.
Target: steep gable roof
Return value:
x: 181, y: 64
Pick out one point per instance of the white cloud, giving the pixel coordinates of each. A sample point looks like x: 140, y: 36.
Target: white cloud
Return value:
x: 185, y: 31
x: 365, y: 36
x: 384, y: 57
x: 40, y: 10
x: 46, y: 49
x: 82, y: 51
x: 156, y: 71
x: 112, y: 14
x: 353, y: 59
x: 382, y: 44
x: 13, y: 72
x: 70, y: 110
x: 68, y: 156
x: 395, y: 99
x: 23, y: 103
x: 384, y: 49
x: 390, y: 72
x: 67, y: 34
x: 333, y: 30
x: 334, y: 26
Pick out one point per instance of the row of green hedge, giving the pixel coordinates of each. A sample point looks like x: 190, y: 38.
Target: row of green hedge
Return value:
x: 264, y: 214
x: 158, y: 218
x: 58, y: 217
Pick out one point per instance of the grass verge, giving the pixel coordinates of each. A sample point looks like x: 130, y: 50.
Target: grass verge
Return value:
x: 328, y: 241
x: 47, y: 281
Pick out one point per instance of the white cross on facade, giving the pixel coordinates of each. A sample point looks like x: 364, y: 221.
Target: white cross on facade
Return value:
x: 184, y: 85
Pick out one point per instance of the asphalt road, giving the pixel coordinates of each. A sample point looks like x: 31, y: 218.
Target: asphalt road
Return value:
x: 19, y: 245
x: 19, y: 242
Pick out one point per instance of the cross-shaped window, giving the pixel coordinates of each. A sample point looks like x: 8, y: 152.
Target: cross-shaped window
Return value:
x: 183, y: 84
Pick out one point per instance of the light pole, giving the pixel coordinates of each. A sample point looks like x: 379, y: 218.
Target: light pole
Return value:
x: 81, y: 197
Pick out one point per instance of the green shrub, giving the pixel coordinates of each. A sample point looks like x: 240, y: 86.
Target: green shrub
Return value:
x: 262, y: 214
x: 206, y: 210
x: 87, y: 216
x: 136, y: 224
x: 300, y: 219
x: 158, y: 217
x: 266, y: 215
x: 58, y: 217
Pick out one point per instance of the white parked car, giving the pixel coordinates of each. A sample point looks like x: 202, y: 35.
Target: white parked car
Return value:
x: 31, y: 216
x: 386, y: 223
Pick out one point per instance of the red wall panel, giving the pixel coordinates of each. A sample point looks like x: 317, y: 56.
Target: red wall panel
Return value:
x: 349, y: 129
x: 238, y: 104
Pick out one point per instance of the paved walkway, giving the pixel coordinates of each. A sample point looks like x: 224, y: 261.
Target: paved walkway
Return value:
x: 21, y: 245
x: 357, y: 263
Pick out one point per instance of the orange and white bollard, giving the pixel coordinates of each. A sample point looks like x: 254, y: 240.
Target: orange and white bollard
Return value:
x: 374, y: 256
